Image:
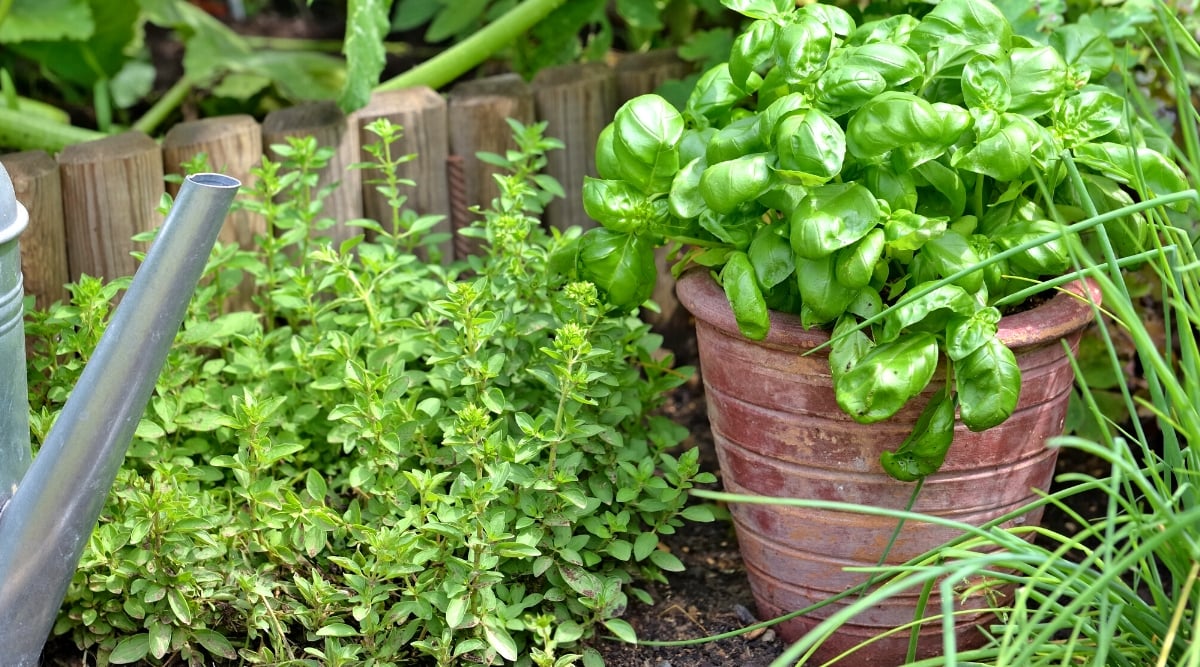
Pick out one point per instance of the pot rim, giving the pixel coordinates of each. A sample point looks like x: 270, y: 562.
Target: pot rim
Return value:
x: 1064, y: 313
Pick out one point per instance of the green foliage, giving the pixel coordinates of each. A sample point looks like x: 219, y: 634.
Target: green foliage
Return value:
x: 391, y: 461
x: 918, y: 164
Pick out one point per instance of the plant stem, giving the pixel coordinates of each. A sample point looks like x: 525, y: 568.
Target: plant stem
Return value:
x: 25, y: 131
x: 458, y: 59
x: 170, y: 100
x: 258, y: 42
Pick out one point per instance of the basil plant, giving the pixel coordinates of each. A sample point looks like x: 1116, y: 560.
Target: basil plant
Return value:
x: 828, y: 169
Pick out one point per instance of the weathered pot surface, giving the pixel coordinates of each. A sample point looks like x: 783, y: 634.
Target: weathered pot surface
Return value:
x: 779, y: 432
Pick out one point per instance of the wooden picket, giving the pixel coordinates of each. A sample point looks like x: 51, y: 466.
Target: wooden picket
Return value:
x: 86, y: 203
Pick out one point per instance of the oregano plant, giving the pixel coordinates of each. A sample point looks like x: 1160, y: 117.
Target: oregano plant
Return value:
x: 390, y: 460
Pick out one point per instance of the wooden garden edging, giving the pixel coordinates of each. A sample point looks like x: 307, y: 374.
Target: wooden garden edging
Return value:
x: 86, y: 203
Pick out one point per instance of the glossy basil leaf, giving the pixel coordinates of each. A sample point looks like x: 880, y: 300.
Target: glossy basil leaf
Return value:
x: 647, y: 130
x: 783, y: 197
x: 924, y: 450
x: 619, y: 206
x: 753, y: 52
x: 761, y: 9
x: 768, y: 118
x: 1117, y: 161
x: 607, y: 164
x: 961, y: 25
x: 952, y: 199
x: 905, y: 230
x: 985, y: 83
x: 1039, y: 80
x: 810, y: 146
x: 727, y: 185
x: 713, y: 257
x: 847, y: 346
x: 745, y: 297
x: 1086, y: 49
x: 694, y: 143
x: 685, y: 200
x: 832, y: 217
x: 771, y: 255
x: 734, y: 140
x: 855, y: 264
x: 897, y: 189
x: 803, y: 48
x: 950, y: 253
x: 867, y: 302
x: 1049, y: 258
x: 735, y: 230
x: 887, y: 377
x: 965, y: 334
x: 839, y: 20
x: 897, y: 64
x: 823, y: 296
x: 1128, y: 234
x: 891, y: 120
x: 995, y: 272
x: 989, y: 384
x: 714, y: 95
x: 619, y: 264
x: 1092, y: 113
x: 841, y: 90
x: 1006, y: 153
x: 932, y: 310
x: 891, y: 30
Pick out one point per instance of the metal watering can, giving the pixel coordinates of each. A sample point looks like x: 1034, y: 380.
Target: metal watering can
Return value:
x: 49, y: 505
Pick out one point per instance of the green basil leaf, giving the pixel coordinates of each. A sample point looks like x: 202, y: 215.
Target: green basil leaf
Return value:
x: 924, y: 450
x: 811, y: 147
x: 989, y: 384
x: 607, y: 164
x: 893, y: 120
x: 1129, y: 234
x: 645, y: 142
x: 618, y: 205
x: 985, y: 83
x: 621, y: 265
x: 839, y: 20
x: 933, y: 311
x: 905, y: 230
x: 803, y: 48
x: 855, y: 264
x: 898, y: 189
x: 727, y: 185
x: 745, y: 297
x: 1118, y: 162
x: 736, y: 230
x: 694, y: 143
x: 783, y: 197
x: 734, y: 140
x: 841, y: 90
x: 1091, y: 114
x: 959, y: 25
x: 768, y: 119
x: 966, y: 334
x: 1006, y: 153
x: 753, y: 52
x: 714, y: 95
x: 891, y: 30
x: 833, y: 217
x: 771, y: 255
x: 1087, y: 51
x: 1049, y: 258
x: 867, y: 302
x: 761, y: 9
x: 947, y: 182
x: 897, y: 64
x: 886, y: 378
x: 950, y: 253
x: 824, y: 299
x: 685, y: 200
x: 1039, y: 80
x: 848, y: 346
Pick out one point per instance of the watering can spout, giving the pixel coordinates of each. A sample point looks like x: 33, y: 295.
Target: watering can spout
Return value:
x: 48, y: 508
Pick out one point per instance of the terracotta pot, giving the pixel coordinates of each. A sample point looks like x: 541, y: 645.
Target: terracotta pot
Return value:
x: 779, y: 432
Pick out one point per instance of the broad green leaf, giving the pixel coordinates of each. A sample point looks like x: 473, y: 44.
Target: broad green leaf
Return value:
x: 767, y: 120
x: 1006, y: 153
x: 685, y: 200
x: 771, y: 256
x: 824, y: 298
x: 985, y: 83
x: 215, y: 643
x: 1039, y: 80
x: 745, y: 297
x: 761, y: 9
x: 727, y: 185
x: 810, y: 146
x: 95, y: 51
x: 131, y: 649
x: 839, y: 20
x: 950, y: 253
x: 924, y: 450
x: 621, y: 265
x: 666, y: 560
x: 989, y: 384
x: 607, y: 165
x: 891, y: 30
x: 966, y: 334
x: 646, y: 135
x: 896, y: 64
x: 947, y: 183
x: 961, y: 25
x: 367, y: 27
x: 888, y: 376
x: 644, y: 544
x: 620, y: 206
x: 47, y: 21
x: 803, y: 48
x: 892, y: 120
x: 841, y: 90
x: 1048, y: 258
x: 1090, y: 114
x: 753, y: 51
x: 1123, y: 163
x: 933, y: 311
x: 622, y: 629
x: 734, y: 140
x: 314, y: 484
x: 714, y: 95
x: 856, y: 263
x: 499, y: 639
x: 1088, y: 52
x: 848, y: 347
x: 179, y: 606
x: 897, y: 189
x: 832, y: 217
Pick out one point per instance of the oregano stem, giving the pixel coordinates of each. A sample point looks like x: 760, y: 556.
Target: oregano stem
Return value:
x: 460, y: 58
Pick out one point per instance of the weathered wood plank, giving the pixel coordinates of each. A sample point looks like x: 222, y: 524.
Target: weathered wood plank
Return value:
x: 38, y: 187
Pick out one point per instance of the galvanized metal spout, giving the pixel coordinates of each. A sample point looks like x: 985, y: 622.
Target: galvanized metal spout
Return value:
x: 47, y: 521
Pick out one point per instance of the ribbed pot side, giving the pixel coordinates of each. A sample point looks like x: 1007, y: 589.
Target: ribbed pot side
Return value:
x: 779, y: 432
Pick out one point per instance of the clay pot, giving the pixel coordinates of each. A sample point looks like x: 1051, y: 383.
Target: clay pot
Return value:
x: 780, y: 433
